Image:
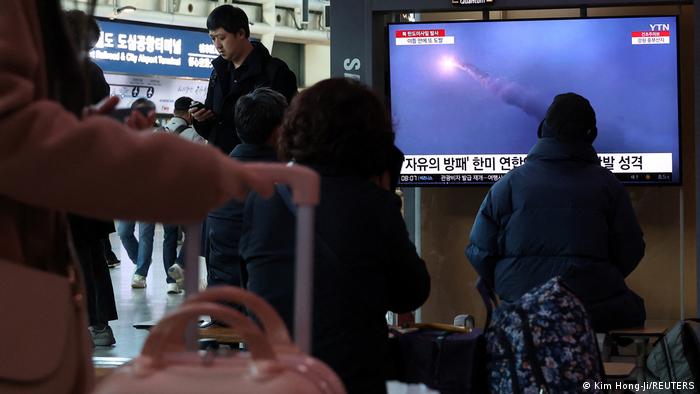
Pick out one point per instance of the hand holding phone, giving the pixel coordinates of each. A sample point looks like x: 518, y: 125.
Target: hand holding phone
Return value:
x: 196, y: 106
x: 141, y: 118
x: 104, y: 107
x: 200, y: 112
x: 122, y: 114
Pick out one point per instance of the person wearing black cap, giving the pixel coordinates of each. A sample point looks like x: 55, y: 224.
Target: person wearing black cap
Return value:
x: 562, y: 214
x: 181, y: 122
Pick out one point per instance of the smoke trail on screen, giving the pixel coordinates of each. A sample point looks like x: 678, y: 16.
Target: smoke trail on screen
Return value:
x: 510, y: 92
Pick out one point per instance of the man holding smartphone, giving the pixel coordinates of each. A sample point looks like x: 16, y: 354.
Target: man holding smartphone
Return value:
x: 242, y: 66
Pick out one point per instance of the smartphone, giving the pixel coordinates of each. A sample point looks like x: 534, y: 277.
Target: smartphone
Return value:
x: 123, y: 113
x: 196, y: 106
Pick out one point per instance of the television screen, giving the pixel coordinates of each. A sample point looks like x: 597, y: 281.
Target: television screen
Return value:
x: 467, y: 97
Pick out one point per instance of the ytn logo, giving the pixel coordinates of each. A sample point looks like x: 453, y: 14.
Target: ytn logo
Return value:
x: 660, y: 27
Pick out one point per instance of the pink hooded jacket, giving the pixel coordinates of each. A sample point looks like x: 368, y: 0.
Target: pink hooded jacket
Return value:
x: 51, y: 162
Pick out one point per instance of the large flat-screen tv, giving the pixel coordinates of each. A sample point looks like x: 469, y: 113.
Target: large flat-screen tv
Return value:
x: 467, y: 97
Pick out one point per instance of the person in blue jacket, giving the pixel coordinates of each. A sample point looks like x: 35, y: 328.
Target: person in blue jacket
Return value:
x: 562, y: 214
x: 258, y: 118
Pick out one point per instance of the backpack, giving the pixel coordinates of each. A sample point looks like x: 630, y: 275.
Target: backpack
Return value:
x: 543, y: 343
x: 674, y: 358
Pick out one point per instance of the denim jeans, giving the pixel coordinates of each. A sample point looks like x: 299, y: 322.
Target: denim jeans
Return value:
x: 170, y: 255
x: 139, y: 251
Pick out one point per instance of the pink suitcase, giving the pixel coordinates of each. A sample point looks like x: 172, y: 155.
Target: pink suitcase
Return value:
x: 169, y: 362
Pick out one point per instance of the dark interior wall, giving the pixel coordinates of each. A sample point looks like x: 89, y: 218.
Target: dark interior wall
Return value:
x: 292, y: 54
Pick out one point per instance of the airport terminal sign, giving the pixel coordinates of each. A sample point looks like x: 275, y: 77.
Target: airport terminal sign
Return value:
x: 162, y: 90
x: 135, y: 48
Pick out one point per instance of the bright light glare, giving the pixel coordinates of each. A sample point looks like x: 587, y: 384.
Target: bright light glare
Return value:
x: 447, y: 64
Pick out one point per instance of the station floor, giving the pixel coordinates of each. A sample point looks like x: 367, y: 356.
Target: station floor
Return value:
x: 137, y: 305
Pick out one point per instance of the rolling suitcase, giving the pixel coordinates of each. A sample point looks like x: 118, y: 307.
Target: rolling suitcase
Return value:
x: 169, y: 362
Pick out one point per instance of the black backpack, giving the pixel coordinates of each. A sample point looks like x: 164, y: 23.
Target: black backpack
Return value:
x: 675, y: 358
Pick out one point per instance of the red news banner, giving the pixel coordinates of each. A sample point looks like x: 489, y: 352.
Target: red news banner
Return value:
x: 423, y: 37
x: 651, y: 37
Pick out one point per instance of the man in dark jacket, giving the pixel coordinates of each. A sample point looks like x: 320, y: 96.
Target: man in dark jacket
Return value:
x: 241, y: 67
x: 562, y: 214
x: 258, y: 117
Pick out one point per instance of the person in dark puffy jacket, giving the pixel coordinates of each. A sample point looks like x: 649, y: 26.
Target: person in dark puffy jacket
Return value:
x: 562, y: 214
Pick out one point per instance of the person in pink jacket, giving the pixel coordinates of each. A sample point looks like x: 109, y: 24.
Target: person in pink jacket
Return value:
x: 53, y: 160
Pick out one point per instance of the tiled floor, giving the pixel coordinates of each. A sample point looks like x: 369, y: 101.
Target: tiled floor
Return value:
x: 137, y: 305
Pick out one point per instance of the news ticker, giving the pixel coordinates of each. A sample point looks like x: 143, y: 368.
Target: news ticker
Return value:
x: 436, y: 179
x: 457, y: 169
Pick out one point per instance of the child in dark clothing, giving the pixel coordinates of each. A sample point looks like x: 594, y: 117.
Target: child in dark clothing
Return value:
x: 258, y: 117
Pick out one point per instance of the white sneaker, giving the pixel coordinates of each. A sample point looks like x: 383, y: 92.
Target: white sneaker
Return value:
x: 173, y: 288
x: 138, y: 281
x: 177, y: 273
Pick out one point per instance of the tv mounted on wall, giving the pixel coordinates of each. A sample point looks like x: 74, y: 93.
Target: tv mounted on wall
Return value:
x: 467, y: 97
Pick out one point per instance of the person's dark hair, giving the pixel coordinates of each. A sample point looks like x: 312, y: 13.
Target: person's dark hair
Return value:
x: 259, y: 114
x: 340, y: 124
x: 143, y: 102
x: 182, y: 106
x: 231, y: 18
x: 65, y: 74
x: 396, y: 158
x: 83, y: 29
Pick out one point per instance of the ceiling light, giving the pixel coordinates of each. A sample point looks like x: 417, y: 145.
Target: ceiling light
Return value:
x: 127, y: 9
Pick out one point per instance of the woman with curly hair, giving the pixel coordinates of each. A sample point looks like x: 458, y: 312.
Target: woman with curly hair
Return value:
x: 365, y: 263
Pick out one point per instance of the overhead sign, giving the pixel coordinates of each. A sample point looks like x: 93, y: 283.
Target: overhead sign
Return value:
x: 162, y: 90
x: 135, y: 48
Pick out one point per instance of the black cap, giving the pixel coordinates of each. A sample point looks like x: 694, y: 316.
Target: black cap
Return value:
x: 570, y: 118
x: 183, y: 103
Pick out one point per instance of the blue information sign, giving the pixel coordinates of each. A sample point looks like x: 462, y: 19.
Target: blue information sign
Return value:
x: 135, y: 48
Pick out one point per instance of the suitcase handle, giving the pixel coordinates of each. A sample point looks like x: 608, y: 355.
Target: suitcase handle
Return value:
x: 275, y: 330
x: 305, y: 185
x: 171, y: 328
x: 304, y: 182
